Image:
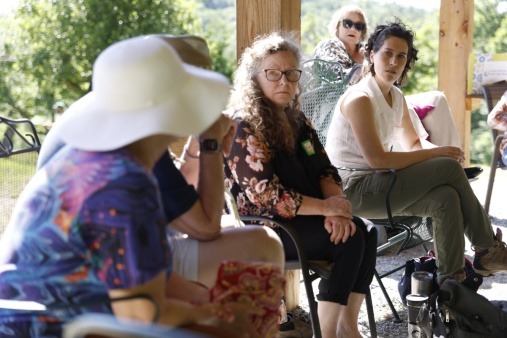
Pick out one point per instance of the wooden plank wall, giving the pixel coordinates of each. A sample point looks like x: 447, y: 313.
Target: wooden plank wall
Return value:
x: 455, y: 45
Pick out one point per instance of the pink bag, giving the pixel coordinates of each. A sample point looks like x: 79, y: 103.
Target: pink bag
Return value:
x: 256, y: 283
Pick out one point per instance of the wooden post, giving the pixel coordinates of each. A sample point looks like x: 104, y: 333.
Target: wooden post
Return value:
x: 257, y: 17
x: 455, y: 45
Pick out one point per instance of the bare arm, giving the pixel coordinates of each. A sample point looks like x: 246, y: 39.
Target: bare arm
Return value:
x: 172, y: 312
x: 190, y: 161
x: 176, y: 312
x: 202, y: 221
x: 358, y: 110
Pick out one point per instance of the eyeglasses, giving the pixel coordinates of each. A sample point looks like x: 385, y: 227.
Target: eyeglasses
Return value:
x: 291, y: 75
x: 359, y: 26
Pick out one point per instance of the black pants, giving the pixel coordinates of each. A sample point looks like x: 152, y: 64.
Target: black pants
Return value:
x: 354, y: 260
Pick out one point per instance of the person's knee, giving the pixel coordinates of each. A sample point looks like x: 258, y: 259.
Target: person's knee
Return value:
x: 355, y: 244
x: 266, y: 245
x: 449, y: 166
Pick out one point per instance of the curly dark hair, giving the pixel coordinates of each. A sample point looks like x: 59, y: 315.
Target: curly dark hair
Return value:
x: 248, y: 102
x: 380, y: 34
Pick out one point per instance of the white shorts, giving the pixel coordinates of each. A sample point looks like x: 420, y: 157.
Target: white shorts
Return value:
x: 185, y: 255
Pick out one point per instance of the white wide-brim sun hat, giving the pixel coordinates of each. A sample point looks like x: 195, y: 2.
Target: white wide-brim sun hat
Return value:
x: 142, y: 88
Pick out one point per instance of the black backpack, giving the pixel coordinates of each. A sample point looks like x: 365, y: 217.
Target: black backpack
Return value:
x: 457, y: 310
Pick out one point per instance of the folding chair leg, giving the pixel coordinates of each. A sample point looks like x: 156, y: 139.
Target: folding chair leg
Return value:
x: 388, y: 299
x: 312, y: 303
x: 371, y: 315
x: 492, y: 173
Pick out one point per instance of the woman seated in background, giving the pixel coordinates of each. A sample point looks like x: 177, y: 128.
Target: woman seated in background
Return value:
x: 429, y: 111
x: 373, y: 114
x: 89, y: 227
x: 278, y: 168
x: 497, y: 119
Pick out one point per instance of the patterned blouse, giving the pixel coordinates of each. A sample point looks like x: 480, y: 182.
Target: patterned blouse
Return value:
x: 274, y: 187
x: 86, y: 223
x: 334, y: 50
x: 497, y: 118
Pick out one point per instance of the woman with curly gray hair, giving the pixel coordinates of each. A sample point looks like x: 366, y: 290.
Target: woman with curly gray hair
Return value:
x: 278, y: 168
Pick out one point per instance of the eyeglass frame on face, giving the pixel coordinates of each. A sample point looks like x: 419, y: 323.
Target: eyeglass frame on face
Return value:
x: 348, y: 24
x: 281, y: 73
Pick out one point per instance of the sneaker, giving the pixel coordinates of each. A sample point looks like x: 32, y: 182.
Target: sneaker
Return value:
x: 493, y: 259
x: 298, y: 325
x: 473, y: 172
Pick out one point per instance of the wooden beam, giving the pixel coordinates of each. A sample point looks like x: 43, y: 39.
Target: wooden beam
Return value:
x: 455, y: 45
x: 257, y: 17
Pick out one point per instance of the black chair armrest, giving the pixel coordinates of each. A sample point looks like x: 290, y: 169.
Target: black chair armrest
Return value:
x: 277, y: 223
x: 17, y: 136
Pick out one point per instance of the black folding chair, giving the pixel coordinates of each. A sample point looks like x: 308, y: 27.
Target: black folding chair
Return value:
x: 311, y: 270
x: 19, y: 149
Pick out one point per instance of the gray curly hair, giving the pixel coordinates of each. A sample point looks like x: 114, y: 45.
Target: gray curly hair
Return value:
x: 247, y: 100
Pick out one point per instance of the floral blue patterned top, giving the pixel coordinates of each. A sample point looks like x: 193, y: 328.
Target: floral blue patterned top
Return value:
x: 87, y: 222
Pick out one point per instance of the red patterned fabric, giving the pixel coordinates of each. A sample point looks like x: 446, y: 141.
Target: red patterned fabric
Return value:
x: 256, y: 283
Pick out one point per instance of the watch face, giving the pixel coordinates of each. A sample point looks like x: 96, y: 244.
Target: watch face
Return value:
x: 210, y: 145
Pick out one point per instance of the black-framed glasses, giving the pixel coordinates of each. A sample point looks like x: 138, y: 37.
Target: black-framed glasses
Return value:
x: 359, y: 26
x: 292, y: 75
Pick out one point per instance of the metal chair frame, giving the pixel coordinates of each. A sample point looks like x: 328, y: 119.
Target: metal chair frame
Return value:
x: 19, y: 150
x: 28, y: 141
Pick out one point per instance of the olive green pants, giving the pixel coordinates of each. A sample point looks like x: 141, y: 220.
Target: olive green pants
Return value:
x: 437, y: 188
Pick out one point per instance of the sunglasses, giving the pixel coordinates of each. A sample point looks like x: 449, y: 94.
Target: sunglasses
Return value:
x: 359, y: 26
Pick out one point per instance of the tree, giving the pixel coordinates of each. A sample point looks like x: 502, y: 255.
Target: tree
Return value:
x: 490, y: 36
x: 54, y: 44
x: 490, y: 30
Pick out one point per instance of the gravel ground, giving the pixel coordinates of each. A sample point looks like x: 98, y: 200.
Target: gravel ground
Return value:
x: 493, y: 288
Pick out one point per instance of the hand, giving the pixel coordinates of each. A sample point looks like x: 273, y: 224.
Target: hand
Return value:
x: 448, y: 151
x: 337, y: 206
x: 340, y: 228
x: 219, y: 129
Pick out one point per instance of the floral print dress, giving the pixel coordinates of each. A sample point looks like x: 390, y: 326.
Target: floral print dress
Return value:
x: 273, y: 185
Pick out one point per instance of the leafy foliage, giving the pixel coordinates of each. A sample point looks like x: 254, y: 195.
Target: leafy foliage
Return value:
x: 56, y: 42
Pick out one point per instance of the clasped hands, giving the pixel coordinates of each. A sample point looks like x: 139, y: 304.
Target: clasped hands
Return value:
x: 338, y: 219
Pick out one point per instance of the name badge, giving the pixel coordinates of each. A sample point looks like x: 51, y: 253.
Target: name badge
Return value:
x: 308, y: 147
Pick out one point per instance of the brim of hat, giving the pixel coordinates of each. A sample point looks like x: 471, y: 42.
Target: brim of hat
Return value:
x: 202, y: 98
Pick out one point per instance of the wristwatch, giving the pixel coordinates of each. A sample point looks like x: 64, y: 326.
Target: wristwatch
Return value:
x: 210, y: 145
